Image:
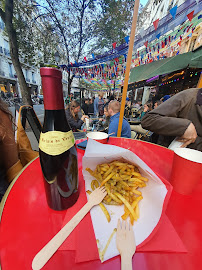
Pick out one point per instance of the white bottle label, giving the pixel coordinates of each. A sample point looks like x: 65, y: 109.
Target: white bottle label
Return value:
x: 56, y: 142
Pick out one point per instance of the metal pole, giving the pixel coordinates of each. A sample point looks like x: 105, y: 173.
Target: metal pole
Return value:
x: 128, y: 64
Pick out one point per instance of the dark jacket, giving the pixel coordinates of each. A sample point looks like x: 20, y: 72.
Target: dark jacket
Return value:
x: 91, y: 108
x: 172, y: 117
x: 113, y: 126
x: 74, y: 124
x: 85, y: 108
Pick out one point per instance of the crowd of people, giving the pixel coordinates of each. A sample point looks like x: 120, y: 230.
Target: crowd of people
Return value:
x: 172, y: 116
x: 178, y: 116
x: 107, y: 110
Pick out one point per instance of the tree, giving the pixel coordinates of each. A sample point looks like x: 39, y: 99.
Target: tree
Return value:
x: 7, y: 17
x: 73, y: 22
x: 114, y: 23
x: 36, y: 40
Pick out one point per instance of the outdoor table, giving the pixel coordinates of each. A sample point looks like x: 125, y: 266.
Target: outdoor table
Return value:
x: 79, y: 135
x: 27, y: 223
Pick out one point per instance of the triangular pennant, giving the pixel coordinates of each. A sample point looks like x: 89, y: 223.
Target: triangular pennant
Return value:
x: 158, y: 36
x: 155, y: 23
x: 200, y: 17
x: 126, y: 39
x: 114, y: 45
x: 85, y: 58
x: 190, y: 16
x: 93, y: 55
x: 173, y: 11
x: 179, y: 43
x: 146, y: 43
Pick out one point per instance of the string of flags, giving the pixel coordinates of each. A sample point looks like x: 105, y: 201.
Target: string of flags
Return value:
x: 104, y: 74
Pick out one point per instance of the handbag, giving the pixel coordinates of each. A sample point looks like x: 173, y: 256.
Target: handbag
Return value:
x: 26, y: 154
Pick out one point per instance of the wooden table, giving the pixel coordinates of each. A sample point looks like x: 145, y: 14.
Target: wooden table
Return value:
x: 27, y: 223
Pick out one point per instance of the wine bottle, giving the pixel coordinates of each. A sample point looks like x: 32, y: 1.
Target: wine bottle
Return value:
x: 57, y: 151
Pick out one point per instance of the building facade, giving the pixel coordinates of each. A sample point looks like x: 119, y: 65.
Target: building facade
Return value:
x: 157, y: 9
x: 8, y: 79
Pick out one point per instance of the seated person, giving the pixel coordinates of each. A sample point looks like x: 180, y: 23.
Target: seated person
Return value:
x: 127, y: 111
x: 105, y: 121
x: 157, y: 103
x: 85, y: 106
x: 72, y: 116
x: 10, y: 164
x: 114, y: 112
x: 180, y: 116
x: 166, y: 97
x: 138, y: 128
x: 91, y: 107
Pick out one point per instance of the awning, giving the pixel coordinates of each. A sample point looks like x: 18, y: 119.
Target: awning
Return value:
x: 168, y: 65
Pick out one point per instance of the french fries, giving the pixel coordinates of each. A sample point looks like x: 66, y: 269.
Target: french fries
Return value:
x: 121, y: 181
x: 103, y: 208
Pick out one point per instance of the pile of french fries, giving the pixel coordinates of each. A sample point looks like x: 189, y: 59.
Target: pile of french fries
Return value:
x: 122, y: 182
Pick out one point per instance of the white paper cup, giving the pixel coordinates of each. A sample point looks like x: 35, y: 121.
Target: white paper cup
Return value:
x: 186, y: 170
x: 98, y: 136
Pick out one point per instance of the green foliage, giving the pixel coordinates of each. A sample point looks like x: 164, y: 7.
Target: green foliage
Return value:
x: 114, y: 23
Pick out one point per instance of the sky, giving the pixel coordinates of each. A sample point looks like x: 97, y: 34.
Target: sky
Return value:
x: 143, y: 2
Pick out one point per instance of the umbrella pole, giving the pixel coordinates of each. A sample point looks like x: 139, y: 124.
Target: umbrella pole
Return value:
x: 128, y: 64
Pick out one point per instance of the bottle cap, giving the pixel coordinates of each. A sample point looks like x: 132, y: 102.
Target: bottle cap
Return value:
x: 51, y: 79
x: 49, y: 71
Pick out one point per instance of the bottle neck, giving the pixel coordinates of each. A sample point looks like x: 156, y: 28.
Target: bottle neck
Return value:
x: 52, y: 90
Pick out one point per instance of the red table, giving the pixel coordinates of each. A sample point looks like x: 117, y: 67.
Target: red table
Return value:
x: 27, y: 223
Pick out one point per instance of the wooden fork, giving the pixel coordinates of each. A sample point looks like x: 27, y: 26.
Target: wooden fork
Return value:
x: 125, y: 242
x: 51, y: 247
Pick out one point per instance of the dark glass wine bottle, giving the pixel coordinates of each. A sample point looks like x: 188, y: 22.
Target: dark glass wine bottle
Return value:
x: 57, y: 151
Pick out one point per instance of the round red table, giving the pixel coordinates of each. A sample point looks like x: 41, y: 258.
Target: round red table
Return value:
x: 27, y: 223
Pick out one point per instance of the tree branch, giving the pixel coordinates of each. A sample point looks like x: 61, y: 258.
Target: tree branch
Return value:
x: 3, y: 15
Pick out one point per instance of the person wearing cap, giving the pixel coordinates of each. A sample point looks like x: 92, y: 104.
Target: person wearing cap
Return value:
x: 180, y: 116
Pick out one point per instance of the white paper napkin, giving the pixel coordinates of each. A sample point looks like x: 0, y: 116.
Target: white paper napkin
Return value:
x: 150, y: 206
x: 175, y: 144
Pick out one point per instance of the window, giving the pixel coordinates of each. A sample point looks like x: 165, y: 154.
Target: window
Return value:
x: 33, y: 77
x: 10, y: 70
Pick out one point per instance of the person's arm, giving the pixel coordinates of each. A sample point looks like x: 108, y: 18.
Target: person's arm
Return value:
x: 74, y: 124
x: 164, y: 119
x: 113, y: 128
x: 189, y: 136
x: 12, y: 163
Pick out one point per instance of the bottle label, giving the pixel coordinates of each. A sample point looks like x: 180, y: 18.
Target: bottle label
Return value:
x: 56, y: 142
